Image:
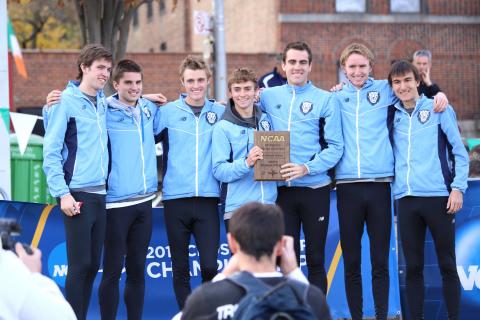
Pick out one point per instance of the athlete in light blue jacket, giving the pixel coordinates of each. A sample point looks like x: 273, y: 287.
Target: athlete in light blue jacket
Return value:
x: 190, y: 191
x: 363, y: 177
x: 431, y: 170
x: 427, y: 167
x: 368, y: 153
x: 131, y: 123
x: 233, y: 151
x: 187, y: 150
x: 316, y: 144
x: 76, y: 165
x: 131, y: 133
x: 75, y: 147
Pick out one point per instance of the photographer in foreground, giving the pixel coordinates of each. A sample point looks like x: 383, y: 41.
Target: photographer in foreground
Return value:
x: 24, y: 292
x: 256, y: 239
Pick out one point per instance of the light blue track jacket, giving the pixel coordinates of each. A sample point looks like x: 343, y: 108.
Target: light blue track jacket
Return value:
x: 368, y: 152
x: 313, y: 119
x: 75, y: 151
x: 232, y: 140
x: 133, y: 162
x: 430, y: 158
x: 187, y: 149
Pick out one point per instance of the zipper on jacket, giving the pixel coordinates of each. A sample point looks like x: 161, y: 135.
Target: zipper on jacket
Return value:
x: 197, y: 119
x: 357, y: 134
x: 141, y: 153
x: 261, y: 190
x: 289, y: 183
x: 95, y: 109
x: 408, y: 151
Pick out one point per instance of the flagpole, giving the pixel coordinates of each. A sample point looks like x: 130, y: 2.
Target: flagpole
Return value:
x: 5, y: 102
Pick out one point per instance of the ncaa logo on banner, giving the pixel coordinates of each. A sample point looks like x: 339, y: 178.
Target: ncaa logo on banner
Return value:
x: 468, y: 261
x: 58, y: 264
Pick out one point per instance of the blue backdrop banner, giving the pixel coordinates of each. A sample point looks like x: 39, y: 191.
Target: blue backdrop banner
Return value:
x: 43, y: 226
x: 467, y: 248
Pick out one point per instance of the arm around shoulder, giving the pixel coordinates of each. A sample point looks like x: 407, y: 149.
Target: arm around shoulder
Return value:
x: 448, y: 123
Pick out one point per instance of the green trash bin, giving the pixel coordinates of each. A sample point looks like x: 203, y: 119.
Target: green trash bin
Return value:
x: 29, y: 183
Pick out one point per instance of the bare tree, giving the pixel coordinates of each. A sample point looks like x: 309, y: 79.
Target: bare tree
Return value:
x: 38, y: 26
x: 108, y: 22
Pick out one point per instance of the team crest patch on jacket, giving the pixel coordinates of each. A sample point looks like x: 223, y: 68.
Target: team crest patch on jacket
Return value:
x: 373, y: 97
x: 265, y: 125
x: 147, y: 112
x: 306, y: 107
x: 423, y: 116
x: 211, y: 117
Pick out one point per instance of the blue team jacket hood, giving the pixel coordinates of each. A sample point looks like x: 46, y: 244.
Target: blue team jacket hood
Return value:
x: 232, y: 115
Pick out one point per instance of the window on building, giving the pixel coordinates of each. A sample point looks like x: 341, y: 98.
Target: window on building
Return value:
x: 350, y: 5
x: 405, y: 5
x: 161, y: 7
x: 149, y: 10
x: 135, y: 18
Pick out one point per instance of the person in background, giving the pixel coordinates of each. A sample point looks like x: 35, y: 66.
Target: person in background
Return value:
x: 422, y: 59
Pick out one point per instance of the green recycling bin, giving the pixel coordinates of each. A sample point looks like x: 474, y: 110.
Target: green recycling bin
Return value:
x: 29, y: 183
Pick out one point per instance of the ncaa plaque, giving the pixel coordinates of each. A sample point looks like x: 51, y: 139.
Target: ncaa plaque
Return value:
x: 276, y: 152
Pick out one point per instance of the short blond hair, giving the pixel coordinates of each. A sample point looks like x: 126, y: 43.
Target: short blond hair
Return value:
x: 357, y: 48
x: 193, y: 63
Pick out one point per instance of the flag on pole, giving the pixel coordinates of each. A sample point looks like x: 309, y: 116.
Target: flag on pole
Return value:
x: 16, y: 52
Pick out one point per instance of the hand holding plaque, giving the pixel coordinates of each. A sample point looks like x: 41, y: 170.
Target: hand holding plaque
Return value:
x: 276, y: 152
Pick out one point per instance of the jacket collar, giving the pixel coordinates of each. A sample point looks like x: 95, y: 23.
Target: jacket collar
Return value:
x: 184, y: 106
x: 351, y: 88
x: 231, y: 115
x: 300, y: 89
x: 73, y: 87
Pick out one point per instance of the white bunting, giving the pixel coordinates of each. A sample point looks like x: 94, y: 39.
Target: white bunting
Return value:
x: 23, y: 125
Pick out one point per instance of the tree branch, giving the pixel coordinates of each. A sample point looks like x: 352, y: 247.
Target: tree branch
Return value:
x: 124, y: 30
x: 92, y: 10
x: 81, y: 19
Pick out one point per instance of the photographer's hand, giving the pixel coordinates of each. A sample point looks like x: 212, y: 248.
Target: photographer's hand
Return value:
x: 288, y: 261
x: 232, y: 266
x: 32, y: 261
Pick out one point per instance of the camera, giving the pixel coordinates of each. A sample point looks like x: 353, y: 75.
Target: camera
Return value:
x: 10, y: 228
